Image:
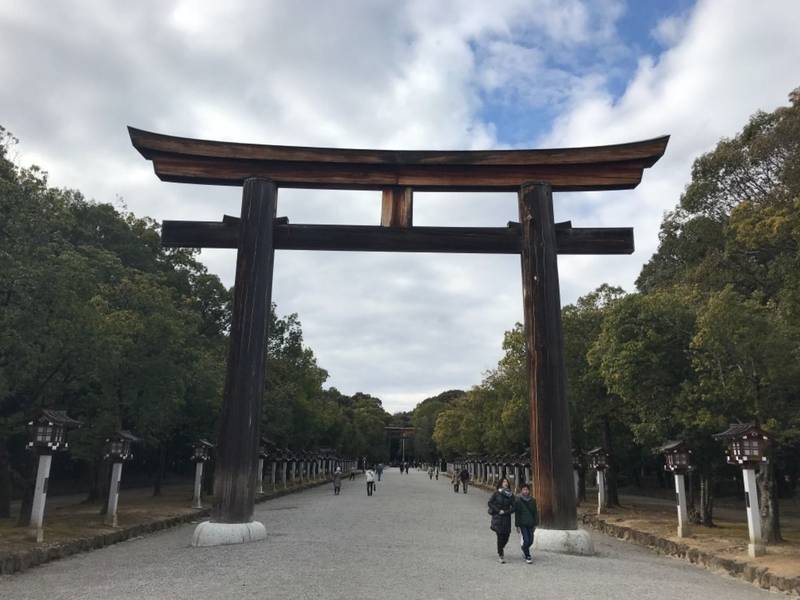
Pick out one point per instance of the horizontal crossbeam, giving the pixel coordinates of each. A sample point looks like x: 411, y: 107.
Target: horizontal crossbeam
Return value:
x: 365, y: 238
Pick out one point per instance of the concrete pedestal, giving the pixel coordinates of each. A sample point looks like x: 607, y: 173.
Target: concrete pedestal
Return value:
x: 756, y: 546
x: 563, y: 541
x: 113, y: 494
x: 198, y: 485
x: 40, y: 497
x: 683, y: 514
x: 209, y: 533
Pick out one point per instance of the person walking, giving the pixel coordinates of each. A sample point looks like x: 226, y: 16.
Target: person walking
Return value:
x: 430, y: 472
x: 370, y: 481
x: 526, y: 518
x: 464, y: 476
x: 501, y: 505
x: 337, y: 481
x: 379, y: 471
x: 454, y: 480
x: 437, y: 472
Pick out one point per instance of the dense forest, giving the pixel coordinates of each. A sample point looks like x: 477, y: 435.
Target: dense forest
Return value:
x: 710, y: 337
x: 97, y: 319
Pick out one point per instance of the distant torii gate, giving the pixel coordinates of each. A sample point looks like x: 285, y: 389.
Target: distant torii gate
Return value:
x: 262, y: 169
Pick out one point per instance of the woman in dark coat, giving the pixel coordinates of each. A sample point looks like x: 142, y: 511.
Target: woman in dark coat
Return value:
x: 501, y: 506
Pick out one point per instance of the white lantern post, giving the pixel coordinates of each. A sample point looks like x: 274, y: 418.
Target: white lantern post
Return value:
x: 117, y: 450
x: 47, y: 435
x: 201, y: 453
x: 599, y: 461
x: 747, y: 448
x: 676, y: 461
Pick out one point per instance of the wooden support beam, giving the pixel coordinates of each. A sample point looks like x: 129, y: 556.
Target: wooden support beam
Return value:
x: 397, y: 208
x: 551, y: 448
x: 240, y: 418
x: 366, y: 238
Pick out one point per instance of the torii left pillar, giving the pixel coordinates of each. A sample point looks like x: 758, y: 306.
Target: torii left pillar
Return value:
x: 235, y: 476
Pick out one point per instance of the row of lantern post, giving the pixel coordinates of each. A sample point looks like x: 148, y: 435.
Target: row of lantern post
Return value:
x: 490, y: 470
x: 284, y: 466
x: 747, y: 446
x: 48, y: 434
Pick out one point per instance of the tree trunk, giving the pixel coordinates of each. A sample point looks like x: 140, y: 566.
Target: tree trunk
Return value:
x: 770, y: 513
x: 706, y: 498
x: 160, y: 469
x: 5, y: 482
x: 691, y: 498
x: 105, y: 475
x: 611, y: 472
x: 582, y: 484
x: 28, y: 481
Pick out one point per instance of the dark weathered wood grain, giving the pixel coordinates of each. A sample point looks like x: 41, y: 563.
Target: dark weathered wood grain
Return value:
x: 397, y: 207
x: 566, y: 169
x: 150, y: 144
x: 551, y: 448
x: 237, y: 450
x: 366, y: 238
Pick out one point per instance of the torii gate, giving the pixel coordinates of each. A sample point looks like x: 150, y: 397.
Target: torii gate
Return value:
x: 257, y: 233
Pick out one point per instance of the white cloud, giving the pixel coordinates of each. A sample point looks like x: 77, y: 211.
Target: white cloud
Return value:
x: 387, y: 75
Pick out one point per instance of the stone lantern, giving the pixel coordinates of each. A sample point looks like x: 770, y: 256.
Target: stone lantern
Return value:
x: 117, y: 450
x: 264, y: 451
x: 747, y: 448
x: 200, y: 455
x: 598, y: 459
x: 577, y: 465
x: 47, y: 434
x: 676, y: 461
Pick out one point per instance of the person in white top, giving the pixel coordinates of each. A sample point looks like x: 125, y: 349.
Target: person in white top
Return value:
x: 370, y: 480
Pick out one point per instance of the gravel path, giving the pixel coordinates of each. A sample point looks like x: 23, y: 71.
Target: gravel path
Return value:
x: 413, y: 539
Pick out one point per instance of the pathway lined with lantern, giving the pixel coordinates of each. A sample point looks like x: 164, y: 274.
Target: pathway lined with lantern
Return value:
x: 414, y: 538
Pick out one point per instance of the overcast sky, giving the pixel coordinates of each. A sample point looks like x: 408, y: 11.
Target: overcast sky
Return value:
x: 400, y: 75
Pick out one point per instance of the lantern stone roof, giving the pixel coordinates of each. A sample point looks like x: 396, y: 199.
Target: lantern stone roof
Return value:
x: 598, y: 450
x: 740, y: 430
x: 57, y: 417
x: 672, y: 446
x: 205, y: 443
x: 126, y: 436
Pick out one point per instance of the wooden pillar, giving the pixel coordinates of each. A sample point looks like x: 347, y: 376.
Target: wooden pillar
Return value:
x: 240, y: 419
x: 551, y: 447
x: 397, y: 208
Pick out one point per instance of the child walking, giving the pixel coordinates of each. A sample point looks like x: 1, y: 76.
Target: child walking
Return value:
x: 526, y: 518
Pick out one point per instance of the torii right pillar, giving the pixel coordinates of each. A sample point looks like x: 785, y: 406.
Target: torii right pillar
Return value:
x: 551, y: 447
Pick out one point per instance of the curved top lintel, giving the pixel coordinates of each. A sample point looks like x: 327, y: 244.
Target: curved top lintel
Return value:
x: 616, y: 166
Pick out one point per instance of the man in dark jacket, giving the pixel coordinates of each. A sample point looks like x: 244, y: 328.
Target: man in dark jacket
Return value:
x: 464, y: 476
x: 526, y: 518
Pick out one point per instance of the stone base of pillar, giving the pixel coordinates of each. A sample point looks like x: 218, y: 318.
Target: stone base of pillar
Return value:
x: 684, y: 531
x: 209, y: 533
x: 36, y: 534
x: 563, y: 541
x: 755, y: 550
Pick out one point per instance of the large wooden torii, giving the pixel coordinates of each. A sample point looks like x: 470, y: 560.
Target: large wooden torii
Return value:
x: 257, y: 233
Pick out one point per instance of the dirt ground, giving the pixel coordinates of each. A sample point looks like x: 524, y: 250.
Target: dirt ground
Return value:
x: 68, y: 518
x: 728, y: 539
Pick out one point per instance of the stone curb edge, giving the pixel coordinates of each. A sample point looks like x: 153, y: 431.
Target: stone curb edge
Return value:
x: 13, y: 562
x: 759, y: 576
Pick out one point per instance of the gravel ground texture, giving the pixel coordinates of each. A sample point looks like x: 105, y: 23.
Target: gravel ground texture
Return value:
x: 414, y: 538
